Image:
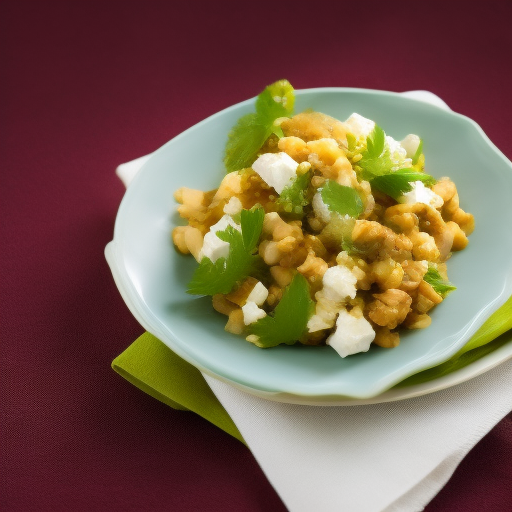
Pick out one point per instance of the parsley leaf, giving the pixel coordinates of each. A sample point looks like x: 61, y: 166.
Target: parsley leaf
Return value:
x: 222, y: 275
x: 440, y: 285
x: 290, y: 318
x: 277, y: 100
x: 399, y: 182
x: 252, y: 130
x: 375, y: 159
x: 375, y: 142
x: 293, y: 198
x: 251, y: 222
x: 244, y: 141
x: 341, y: 199
x: 377, y: 167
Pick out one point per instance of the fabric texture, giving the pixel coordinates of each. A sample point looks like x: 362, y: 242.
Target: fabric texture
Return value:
x: 87, y: 85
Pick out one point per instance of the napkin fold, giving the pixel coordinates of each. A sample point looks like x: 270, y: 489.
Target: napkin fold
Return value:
x: 155, y: 369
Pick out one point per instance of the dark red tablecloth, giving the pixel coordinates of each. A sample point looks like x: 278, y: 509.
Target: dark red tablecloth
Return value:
x: 88, y: 85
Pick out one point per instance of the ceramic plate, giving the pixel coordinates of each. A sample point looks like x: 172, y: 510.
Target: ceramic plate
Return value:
x: 152, y: 276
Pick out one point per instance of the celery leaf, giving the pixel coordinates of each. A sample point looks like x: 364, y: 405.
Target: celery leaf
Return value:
x: 244, y: 141
x: 290, y: 318
x: 224, y: 274
x: 440, y: 285
x: 341, y: 199
x: 399, y: 182
x: 375, y: 159
x: 252, y: 130
x: 251, y: 222
x: 277, y: 100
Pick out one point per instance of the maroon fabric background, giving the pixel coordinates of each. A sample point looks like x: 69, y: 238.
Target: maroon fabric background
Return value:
x: 89, y: 85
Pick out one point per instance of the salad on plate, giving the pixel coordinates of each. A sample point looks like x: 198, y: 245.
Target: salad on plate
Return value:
x: 322, y: 231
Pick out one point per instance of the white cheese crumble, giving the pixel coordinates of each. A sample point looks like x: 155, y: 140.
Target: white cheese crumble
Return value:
x: 352, y: 334
x: 320, y: 208
x: 397, y: 153
x: 421, y: 194
x: 233, y: 206
x: 339, y: 283
x: 411, y: 144
x: 213, y: 247
x: 276, y: 169
x: 258, y: 294
x: 360, y: 126
x: 252, y: 313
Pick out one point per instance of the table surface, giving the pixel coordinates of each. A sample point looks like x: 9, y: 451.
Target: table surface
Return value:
x: 89, y: 85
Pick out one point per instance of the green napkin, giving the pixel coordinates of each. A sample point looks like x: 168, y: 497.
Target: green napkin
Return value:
x: 155, y: 369
x: 158, y: 371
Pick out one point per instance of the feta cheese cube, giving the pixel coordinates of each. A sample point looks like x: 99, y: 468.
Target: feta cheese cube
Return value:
x: 411, y: 144
x: 397, y: 153
x: 276, y: 169
x: 213, y: 247
x: 352, y: 335
x: 339, y: 283
x: 421, y: 194
x: 359, y: 125
x: 258, y: 294
x: 320, y: 208
x: 223, y: 223
x: 252, y: 313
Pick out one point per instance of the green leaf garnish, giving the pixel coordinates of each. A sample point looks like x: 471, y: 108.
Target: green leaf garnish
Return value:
x: 277, y: 100
x: 244, y: 141
x: 341, y: 199
x: 251, y: 222
x: 293, y: 198
x: 290, y: 318
x: 375, y: 159
x: 221, y: 277
x: 417, y: 155
x: 252, y: 130
x: 440, y: 285
x: 377, y: 167
x: 375, y: 142
x: 399, y: 182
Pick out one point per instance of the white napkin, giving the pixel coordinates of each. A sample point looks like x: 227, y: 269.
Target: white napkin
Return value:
x: 388, y: 457
x: 394, y: 456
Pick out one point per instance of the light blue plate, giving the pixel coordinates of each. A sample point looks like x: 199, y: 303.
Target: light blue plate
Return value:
x: 152, y: 276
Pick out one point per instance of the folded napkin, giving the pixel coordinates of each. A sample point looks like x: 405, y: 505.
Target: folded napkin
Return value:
x: 329, y: 458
